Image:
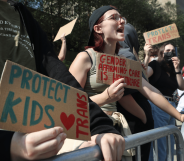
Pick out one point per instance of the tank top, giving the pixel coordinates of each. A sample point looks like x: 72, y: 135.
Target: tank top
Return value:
x: 92, y: 88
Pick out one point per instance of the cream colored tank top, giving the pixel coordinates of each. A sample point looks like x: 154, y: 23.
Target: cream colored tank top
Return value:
x: 92, y: 88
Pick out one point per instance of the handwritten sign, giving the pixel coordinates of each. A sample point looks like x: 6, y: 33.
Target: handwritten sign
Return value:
x: 161, y: 34
x: 31, y: 102
x: 67, y: 29
x: 111, y: 68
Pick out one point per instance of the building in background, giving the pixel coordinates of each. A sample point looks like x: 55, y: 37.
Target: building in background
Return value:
x: 179, y: 3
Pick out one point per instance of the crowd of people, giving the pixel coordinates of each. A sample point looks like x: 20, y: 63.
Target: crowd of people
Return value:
x: 150, y: 107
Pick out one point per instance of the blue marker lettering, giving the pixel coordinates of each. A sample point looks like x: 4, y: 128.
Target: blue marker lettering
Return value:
x: 45, y: 79
x: 51, y: 88
x: 26, y: 107
x: 166, y: 29
x: 47, y: 107
x: 66, y: 92
x: 25, y: 78
x: 14, y: 74
x: 156, y: 33
x: 34, y: 83
x: 152, y: 33
x: 148, y: 34
x: 163, y: 30
x: 159, y: 31
x: 33, y: 112
x: 55, y: 95
x: 8, y: 108
x: 170, y: 27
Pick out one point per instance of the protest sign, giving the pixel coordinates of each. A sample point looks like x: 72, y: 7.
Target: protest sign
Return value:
x: 161, y: 34
x: 31, y: 102
x: 67, y: 29
x: 111, y: 68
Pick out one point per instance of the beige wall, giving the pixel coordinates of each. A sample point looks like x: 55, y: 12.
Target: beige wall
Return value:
x: 180, y: 3
x: 165, y: 1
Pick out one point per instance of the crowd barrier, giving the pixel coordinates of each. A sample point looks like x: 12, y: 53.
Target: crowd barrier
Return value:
x: 135, y: 140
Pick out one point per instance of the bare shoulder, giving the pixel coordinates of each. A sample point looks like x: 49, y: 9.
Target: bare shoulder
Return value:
x: 84, y: 55
x: 82, y: 60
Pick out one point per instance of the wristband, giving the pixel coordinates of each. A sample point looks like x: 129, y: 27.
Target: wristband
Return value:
x: 178, y: 72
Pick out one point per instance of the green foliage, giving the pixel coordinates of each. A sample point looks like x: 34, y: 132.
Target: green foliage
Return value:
x: 144, y: 15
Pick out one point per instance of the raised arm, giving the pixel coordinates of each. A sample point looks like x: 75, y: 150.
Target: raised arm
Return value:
x: 155, y: 96
x: 147, y: 49
x: 62, y: 52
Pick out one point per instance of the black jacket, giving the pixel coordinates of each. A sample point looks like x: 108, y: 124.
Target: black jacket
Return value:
x: 47, y: 63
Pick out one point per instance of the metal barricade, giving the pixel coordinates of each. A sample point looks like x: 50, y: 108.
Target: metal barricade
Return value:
x: 135, y: 140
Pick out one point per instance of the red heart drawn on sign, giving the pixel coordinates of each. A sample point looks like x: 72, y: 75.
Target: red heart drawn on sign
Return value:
x: 67, y: 121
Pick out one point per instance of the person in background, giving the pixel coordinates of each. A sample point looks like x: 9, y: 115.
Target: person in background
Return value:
x: 148, y: 92
x: 166, y: 76
x: 24, y: 42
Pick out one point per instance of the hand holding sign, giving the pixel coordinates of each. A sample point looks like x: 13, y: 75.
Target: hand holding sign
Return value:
x: 115, y: 91
x: 37, y: 145
x: 67, y: 29
x: 111, y: 68
x: 147, y: 48
x: 63, y: 37
x: 32, y: 102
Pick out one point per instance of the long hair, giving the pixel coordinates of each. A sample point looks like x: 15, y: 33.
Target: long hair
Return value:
x: 165, y: 65
x: 161, y: 51
x: 98, y: 39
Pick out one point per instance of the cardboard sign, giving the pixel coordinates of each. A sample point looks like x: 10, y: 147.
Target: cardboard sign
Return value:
x: 111, y: 68
x: 31, y: 102
x: 162, y: 34
x: 67, y: 29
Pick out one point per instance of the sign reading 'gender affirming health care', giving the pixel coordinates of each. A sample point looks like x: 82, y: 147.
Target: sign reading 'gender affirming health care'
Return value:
x: 161, y: 34
x: 111, y: 68
x: 31, y: 102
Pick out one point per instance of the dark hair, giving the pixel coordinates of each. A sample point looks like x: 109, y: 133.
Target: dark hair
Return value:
x: 99, y: 42
x: 161, y: 51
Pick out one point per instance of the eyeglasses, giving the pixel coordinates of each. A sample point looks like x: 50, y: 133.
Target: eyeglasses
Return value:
x: 115, y: 17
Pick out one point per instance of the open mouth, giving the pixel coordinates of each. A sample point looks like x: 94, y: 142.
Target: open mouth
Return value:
x: 120, y: 30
